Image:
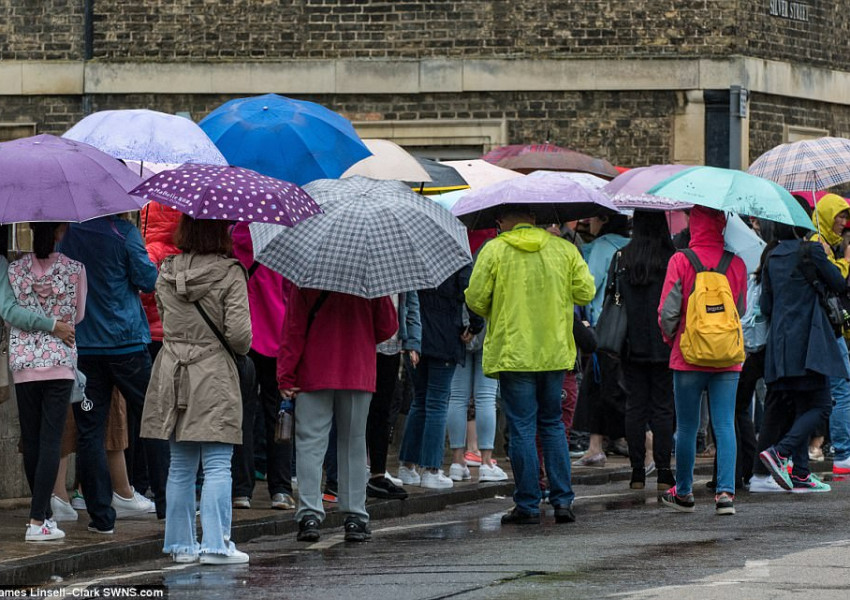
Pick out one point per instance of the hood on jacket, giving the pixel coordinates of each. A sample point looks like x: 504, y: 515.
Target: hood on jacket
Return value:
x: 526, y: 237
x: 706, y: 225
x: 826, y: 210
x: 192, y: 275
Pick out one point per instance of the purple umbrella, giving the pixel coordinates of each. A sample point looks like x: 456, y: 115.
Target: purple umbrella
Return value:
x: 629, y: 189
x: 46, y: 178
x: 229, y: 193
x: 553, y: 197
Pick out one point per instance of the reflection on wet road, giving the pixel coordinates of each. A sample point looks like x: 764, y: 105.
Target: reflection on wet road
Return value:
x: 623, y: 545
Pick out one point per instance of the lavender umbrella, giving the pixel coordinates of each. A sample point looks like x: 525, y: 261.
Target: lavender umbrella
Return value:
x: 229, y: 193
x: 46, y: 178
x: 553, y: 197
x: 629, y: 189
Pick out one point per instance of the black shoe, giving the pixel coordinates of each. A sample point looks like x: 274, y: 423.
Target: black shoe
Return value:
x: 381, y: 487
x: 518, y: 517
x: 711, y: 484
x: 564, y: 514
x: 638, y: 481
x: 665, y: 479
x: 308, y: 529
x: 356, y: 530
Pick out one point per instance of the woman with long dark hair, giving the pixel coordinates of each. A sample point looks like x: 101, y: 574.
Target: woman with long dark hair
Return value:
x: 642, y: 266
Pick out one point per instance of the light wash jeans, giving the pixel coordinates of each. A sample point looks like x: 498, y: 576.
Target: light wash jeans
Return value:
x: 216, y: 509
x: 839, y: 421
x: 469, y: 381
x: 532, y: 405
x: 424, y: 440
x: 687, y: 389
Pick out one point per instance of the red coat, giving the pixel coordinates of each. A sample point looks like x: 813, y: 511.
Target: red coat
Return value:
x: 338, y: 352
x: 158, y: 226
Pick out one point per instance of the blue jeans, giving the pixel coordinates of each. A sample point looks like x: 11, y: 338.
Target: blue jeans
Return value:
x: 424, y: 438
x: 216, y: 509
x: 687, y: 388
x: 469, y: 381
x: 130, y: 373
x: 839, y: 421
x: 532, y: 405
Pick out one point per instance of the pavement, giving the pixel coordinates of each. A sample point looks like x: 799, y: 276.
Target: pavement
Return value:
x: 140, y: 539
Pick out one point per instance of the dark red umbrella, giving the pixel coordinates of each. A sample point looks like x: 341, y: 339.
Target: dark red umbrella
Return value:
x: 526, y: 158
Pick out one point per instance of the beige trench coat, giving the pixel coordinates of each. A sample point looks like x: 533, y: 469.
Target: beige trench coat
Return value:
x: 194, y: 387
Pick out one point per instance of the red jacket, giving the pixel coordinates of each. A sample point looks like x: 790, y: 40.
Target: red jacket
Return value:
x: 707, y: 242
x: 338, y: 352
x: 158, y: 226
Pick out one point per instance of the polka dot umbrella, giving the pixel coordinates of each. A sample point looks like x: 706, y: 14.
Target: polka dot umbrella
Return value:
x: 229, y: 193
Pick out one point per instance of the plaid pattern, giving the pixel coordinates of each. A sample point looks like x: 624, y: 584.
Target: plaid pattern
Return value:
x: 806, y: 165
x: 376, y: 238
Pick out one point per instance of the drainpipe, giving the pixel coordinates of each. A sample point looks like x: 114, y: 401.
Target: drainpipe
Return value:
x: 88, y: 47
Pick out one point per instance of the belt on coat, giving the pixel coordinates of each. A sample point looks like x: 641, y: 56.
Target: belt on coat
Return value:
x: 180, y: 374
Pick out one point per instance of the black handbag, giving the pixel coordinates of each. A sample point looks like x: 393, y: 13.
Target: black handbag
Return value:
x: 611, y: 326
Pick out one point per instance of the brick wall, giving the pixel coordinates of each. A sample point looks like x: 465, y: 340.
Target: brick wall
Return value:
x: 265, y: 29
x: 769, y: 115
x: 41, y: 29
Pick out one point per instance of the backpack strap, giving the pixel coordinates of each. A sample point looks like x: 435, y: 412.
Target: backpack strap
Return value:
x: 253, y: 268
x: 724, y: 263
x: 693, y: 259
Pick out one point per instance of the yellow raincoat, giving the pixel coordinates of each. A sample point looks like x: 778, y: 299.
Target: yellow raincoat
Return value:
x: 827, y: 209
x: 525, y: 283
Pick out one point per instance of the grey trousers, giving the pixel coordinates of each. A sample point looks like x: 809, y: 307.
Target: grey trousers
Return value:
x: 314, y: 412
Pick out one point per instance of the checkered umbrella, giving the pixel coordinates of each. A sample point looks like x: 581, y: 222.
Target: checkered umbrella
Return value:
x: 806, y: 165
x: 374, y: 238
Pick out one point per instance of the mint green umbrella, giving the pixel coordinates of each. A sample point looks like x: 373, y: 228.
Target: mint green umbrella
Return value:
x: 735, y: 192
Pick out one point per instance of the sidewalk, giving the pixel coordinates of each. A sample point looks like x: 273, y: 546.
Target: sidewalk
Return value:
x: 140, y: 539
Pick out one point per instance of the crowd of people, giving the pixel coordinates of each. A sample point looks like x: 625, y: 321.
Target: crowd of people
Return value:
x: 195, y: 352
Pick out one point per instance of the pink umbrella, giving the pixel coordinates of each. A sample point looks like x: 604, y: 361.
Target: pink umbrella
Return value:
x: 629, y: 190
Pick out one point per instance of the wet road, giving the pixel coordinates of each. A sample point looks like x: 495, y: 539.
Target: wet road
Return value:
x: 623, y: 546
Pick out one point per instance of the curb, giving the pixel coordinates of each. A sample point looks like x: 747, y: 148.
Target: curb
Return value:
x: 73, y: 561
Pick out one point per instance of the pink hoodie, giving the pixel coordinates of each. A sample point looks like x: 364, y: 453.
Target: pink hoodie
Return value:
x: 267, y: 292
x: 707, y: 242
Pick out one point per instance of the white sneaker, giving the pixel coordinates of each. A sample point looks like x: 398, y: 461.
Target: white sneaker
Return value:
x: 237, y: 558
x: 459, y: 472
x: 435, y: 481
x: 43, y: 533
x: 491, y: 473
x: 141, y: 498
x: 62, y: 511
x: 135, y: 506
x: 394, y: 480
x: 764, y: 484
x: 184, y: 557
x: 408, y: 476
x: 77, y: 501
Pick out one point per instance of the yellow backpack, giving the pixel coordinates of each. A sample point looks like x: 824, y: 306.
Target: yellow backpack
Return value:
x: 712, y: 336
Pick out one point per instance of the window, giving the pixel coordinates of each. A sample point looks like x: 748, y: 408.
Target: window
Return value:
x: 441, y: 139
x: 13, y: 131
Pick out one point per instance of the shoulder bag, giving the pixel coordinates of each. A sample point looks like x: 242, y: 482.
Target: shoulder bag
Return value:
x: 611, y: 326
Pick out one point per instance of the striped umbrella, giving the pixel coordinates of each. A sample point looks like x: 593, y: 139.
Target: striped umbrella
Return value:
x: 806, y: 165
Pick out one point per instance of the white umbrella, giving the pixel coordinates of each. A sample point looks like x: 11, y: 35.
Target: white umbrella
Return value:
x: 388, y: 161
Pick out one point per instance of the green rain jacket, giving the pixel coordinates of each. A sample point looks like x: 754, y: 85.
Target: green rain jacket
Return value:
x: 525, y: 283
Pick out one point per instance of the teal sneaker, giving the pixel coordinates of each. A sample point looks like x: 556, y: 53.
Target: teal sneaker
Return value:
x: 778, y: 467
x: 810, y: 484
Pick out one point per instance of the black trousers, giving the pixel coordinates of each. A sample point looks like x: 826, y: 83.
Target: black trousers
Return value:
x: 42, y: 408
x: 745, y: 432
x: 242, y: 461
x: 379, y: 423
x: 278, y: 456
x: 809, y: 408
x: 649, y: 402
x: 777, y: 420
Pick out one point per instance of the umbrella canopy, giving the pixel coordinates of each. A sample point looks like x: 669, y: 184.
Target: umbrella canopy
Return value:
x: 374, y: 238
x: 585, y: 180
x: 388, y: 161
x: 629, y: 190
x: 548, y: 157
x: 479, y: 173
x: 552, y: 197
x: 288, y: 139
x: 734, y: 191
x: 743, y: 241
x: 228, y: 193
x: 444, y: 178
x: 146, y: 135
x: 806, y: 165
x: 46, y: 178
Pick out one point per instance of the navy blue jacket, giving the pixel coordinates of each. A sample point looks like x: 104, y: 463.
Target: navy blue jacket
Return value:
x: 117, y: 269
x: 441, y: 311
x: 801, y: 340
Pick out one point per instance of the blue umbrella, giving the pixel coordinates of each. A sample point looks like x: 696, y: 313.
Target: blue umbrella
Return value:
x: 293, y: 140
